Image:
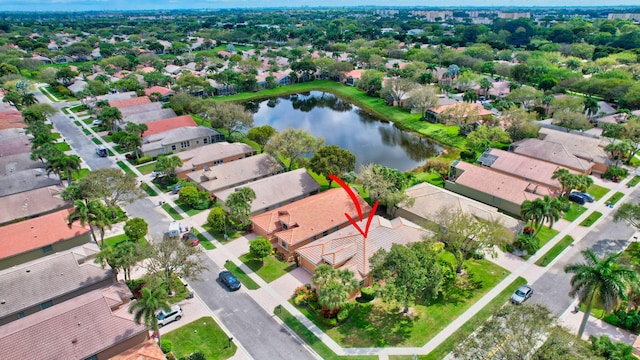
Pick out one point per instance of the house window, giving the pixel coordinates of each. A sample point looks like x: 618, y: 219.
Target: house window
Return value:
x: 46, y: 304
x: 173, y: 147
x: 205, y: 140
x: 21, y: 315
x: 325, y: 233
x: 283, y: 244
x: 184, y: 145
x: 218, y: 162
x: 92, y: 357
x: 197, y: 142
x: 47, y: 249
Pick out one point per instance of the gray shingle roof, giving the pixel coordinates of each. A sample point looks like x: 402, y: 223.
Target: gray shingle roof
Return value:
x: 236, y: 172
x: 40, y: 280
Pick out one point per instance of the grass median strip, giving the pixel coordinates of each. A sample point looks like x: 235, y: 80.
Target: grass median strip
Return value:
x: 472, y: 324
x: 125, y: 168
x: 241, y: 275
x: 148, y: 190
x: 615, y: 198
x: 208, y: 245
x: 172, y: 212
x: 593, y: 217
x: 555, y: 251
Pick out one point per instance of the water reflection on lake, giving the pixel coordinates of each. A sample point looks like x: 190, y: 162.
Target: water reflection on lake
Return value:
x: 343, y: 124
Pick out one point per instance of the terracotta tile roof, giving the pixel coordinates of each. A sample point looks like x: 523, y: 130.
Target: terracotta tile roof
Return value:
x: 310, y: 216
x: 11, y: 119
x: 30, y: 203
x: 75, y: 329
x: 277, y: 189
x: 163, y: 91
x: 208, y: 154
x: 499, y: 185
x: 38, y: 232
x: 356, y: 74
x: 347, y: 248
x: 50, y: 277
x: 148, y: 350
x: 141, y: 100
x: 158, y: 126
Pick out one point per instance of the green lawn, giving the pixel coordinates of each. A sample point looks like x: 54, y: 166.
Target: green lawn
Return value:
x: 203, y: 335
x: 96, y: 141
x: 316, y: 344
x: 76, y: 175
x: 57, y: 94
x: 77, y: 123
x: 378, y: 324
x: 208, y: 245
x: 112, y: 241
x: 575, y: 212
x: 172, y: 212
x: 124, y: 167
x: 634, y: 181
x: 63, y: 146
x: 432, y: 178
x: 55, y: 136
x: 615, y: 198
x: 188, y: 209
x: 146, y: 168
x: 148, y: 190
x: 470, y: 326
x: 546, y: 234
x: 87, y: 121
x: 597, y: 191
x: 555, y: 251
x: 591, y: 219
x: 241, y: 275
x: 271, y: 269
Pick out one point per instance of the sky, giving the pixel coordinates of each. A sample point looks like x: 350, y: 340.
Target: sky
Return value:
x: 83, y: 5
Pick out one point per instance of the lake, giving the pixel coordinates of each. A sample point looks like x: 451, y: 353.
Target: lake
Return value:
x: 341, y: 123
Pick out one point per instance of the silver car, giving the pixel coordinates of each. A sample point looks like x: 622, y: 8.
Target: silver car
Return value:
x: 523, y: 293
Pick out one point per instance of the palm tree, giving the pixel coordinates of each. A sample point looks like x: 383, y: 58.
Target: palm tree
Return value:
x: 541, y: 210
x: 334, y: 287
x: 46, y: 151
x: 110, y: 117
x: 68, y: 163
x: 486, y: 84
x: 29, y: 99
x: 92, y: 213
x: 532, y: 211
x: 591, y: 106
x: 144, y: 309
x: 599, y: 280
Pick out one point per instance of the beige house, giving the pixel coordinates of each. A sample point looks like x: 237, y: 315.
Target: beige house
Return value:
x: 429, y: 200
x: 179, y: 139
x: 348, y: 249
x: 494, y: 188
x: 44, y: 235
x: 39, y: 284
x: 211, y: 155
x: 236, y: 173
x: 28, y: 204
x: 276, y: 191
x: 582, y: 154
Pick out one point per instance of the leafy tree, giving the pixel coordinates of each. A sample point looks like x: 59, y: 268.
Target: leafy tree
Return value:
x: 486, y: 84
x: 394, y: 89
x: 29, y: 99
x: 293, y: 144
x: 606, y: 348
x: 561, y: 345
x: 189, y: 195
x: 144, y: 309
x: 421, y: 99
x: 632, y: 133
x: 109, y: 185
x: 464, y: 235
x: 410, y: 272
x: 508, y: 334
x: 110, y: 117
x: 260, y: 248
x: 45, y: 151
x: 484, y: 137
x: 166, y: 258
x: 541, y: 210
x: 591, y: 106
x: 599, y: 281
x: 470, y: 96
x: 261, y: 135
x: 229, y: 116
x: 136, y: 228
x: 13, y: 98
x: 570, y: 181
x: 93, y: 213
x: 384, y: 184
x: 370, y: 81
x: 217, y: 219
x: 520, y: 123
x: 66, y: 75
x: 629, y: 213
x: 334, y: 287
x: 331, y: 159
x: 239, y: 203
x: 167, y: 164
x: 572, y: 120
x: 525, y: 95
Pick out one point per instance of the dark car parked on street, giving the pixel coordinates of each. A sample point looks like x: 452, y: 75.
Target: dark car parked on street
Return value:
x: 229, y: 280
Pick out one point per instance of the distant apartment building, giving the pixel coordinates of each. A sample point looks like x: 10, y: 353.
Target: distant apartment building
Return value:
x: 629, y: 16
x: 386, y: 12
x: 514, y: 15
x: 430, y: 15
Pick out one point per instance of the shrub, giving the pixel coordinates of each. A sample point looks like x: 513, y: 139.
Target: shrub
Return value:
x: 367, y: 294
x: 197, y: 356
x: 468, y: 155
x: 628, y: 320
x: 135, y: 286
x: 166, y: 345
x: 615, y: 172
x: 528, y: 242
x: 144, y: 159
x: 300, y: 300
x: 331, y: 322
x: 528, y: 230
x: 344, y: 313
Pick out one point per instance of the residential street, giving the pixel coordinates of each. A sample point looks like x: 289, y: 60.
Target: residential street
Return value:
x: 260, y: 335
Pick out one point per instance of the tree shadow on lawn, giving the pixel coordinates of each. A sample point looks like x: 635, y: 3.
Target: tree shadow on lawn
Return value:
x: 377, y: 326
x: 255, y: 265
x: 460, y: 291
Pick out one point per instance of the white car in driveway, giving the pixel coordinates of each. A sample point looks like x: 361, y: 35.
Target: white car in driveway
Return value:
x: 522, y: 294
x: 165, y: 317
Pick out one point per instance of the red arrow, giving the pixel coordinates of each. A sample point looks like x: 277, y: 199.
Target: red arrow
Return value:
x: 355, y: 201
